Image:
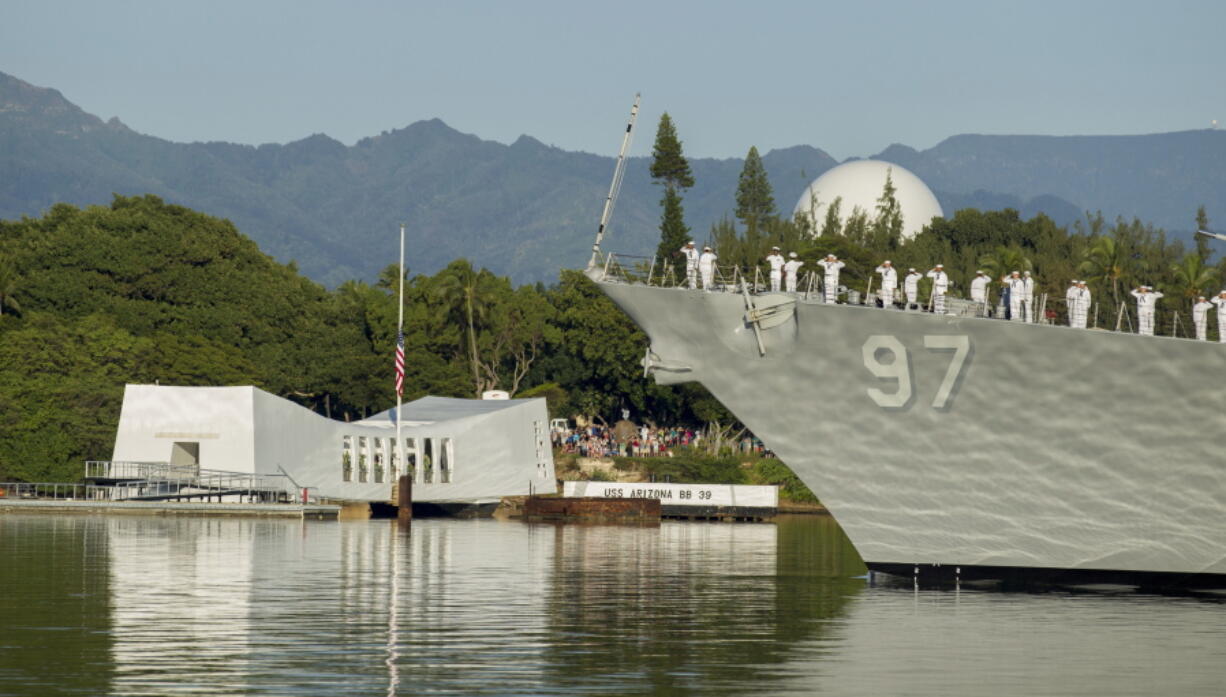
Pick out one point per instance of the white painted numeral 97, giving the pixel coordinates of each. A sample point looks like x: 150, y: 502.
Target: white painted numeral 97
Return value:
x: 899, y: 368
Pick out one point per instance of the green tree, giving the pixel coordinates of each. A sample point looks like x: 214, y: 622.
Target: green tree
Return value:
x: 1107, y: 264
x: 674, y: 233
x: 833, y: 225
x: 1202, y: 243
x: 755, y: 201
x: 1193, y: 277
x: 886, y: 228
x: 468, y: 292
x: 668, y: 164
x: 8, y: 286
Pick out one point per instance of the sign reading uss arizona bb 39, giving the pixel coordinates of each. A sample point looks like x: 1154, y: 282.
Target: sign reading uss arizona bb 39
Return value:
x: 679, y: 494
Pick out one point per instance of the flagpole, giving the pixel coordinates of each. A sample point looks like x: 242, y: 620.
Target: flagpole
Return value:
x: 400, y: 338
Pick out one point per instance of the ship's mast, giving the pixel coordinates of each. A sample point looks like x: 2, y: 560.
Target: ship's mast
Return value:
x: 619, y: 171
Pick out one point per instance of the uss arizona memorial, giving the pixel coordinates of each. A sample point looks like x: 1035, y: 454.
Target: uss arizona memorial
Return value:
x: 458, y: 450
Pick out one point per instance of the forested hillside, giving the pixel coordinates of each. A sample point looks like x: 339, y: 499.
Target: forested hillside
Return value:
x: 526, y: 209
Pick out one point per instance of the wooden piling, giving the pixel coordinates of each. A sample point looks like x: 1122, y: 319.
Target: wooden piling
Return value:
x: 404, y: 501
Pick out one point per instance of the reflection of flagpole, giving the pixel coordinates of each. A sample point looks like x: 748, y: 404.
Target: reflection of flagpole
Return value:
x: 393, y: 627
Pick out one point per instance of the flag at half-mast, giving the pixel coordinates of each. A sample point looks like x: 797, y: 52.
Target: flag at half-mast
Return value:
x: 400, y: 363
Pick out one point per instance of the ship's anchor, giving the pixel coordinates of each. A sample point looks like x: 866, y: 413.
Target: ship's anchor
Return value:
x: 770, y: 311
x: 652, y: 362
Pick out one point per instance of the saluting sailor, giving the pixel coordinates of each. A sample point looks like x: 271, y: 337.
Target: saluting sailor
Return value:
x: 910, y: 286
x: 775, y: 259
x: 1070, y: 302
x: 1028, y: 296
x: 940, y: 284
x: 979, y: 288
x: 889, y: 282
x: 1017, y: 293
x: 1220, y: 301
x: 691, y: 264
x: 791, y: 272
x: 830, y: 284
x: 706, y: 267
x: 1081, y: 305
x: 1147, y: 299
x: 1200, y: 317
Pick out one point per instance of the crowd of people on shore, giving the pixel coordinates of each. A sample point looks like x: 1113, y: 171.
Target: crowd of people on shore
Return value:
x: 1016, y: 291
x: 627, y: 440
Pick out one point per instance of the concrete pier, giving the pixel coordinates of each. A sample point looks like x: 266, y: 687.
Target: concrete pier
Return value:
x: 280, y: 510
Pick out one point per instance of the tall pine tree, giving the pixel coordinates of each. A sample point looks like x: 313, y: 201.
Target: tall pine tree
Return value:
x: 670, y: 168
x: 1202, y: 242
x: 755, y: 201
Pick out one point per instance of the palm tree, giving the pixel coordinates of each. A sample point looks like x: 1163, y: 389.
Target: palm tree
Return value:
x: 8, y: 287
x: 463, y: 287
x: 1193, y: 277
x: 1107, y: 261
x: 1004, y: 260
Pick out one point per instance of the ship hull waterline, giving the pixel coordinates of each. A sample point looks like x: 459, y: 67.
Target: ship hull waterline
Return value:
x: 966, y: 445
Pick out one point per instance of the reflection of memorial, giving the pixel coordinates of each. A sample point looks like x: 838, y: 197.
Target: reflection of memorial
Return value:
x: 181, y: 606
x: 694, y: 607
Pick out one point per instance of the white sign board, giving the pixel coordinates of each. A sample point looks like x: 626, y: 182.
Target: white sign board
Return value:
x: 679, y: 494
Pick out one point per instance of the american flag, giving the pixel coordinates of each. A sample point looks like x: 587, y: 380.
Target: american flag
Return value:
x: 400, y: 363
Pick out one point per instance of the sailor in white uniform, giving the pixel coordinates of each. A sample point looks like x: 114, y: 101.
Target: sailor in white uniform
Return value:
x: 706, y: 267
x: 775, y: 259
x: 1028, y: 297
x: 1220, y: 301
x: 1081, y: 305
x: 1070, y: 302
x: 791, y: 271
x: 1017, y: 293
x: 1200, y: 317
x: 979, y: 291
x: 940, y: 284
x: 1147, y: 299
x: 910, y: 286
x: 830, y: 284
x: 691, y: 264
x: 889, y: 282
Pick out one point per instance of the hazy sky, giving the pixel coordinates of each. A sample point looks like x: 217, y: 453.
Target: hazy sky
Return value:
x: 848, y: 77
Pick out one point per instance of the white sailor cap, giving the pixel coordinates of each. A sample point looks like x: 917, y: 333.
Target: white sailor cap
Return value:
x: 706, y: 249
x: 774, y: 248
x: 792, y: 255
x: 913, y: 268
x: 885, y: 262
x: 1025, y: 273
x: 1013, y: 273
x: 980, y: 272
x: 690, y: 242
x: 940, y: 266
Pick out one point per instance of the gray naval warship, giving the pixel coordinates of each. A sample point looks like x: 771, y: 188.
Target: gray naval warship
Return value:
x: 951, y: 446
x: 959, y: 448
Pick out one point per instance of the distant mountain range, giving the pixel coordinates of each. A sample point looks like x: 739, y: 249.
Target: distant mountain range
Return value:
x: 526, y: 209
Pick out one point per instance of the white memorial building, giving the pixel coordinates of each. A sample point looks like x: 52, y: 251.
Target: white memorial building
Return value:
x: 459, y: 450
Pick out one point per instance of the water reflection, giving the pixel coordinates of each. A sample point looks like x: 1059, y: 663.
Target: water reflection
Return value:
x: 169, y: 606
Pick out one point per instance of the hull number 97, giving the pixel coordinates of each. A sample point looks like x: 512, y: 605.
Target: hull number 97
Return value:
x: 898, y: 368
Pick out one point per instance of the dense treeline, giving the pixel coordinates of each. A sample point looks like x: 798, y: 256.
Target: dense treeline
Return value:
x: 144, y: 292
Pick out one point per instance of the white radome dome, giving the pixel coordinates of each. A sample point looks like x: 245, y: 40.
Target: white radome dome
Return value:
x: 859, y: 184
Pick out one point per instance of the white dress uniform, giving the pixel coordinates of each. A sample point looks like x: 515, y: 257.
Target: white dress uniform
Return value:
x: 791, y: 272
x: 1070, y: 303
x: 830, y: 284
x: 1017, y: 296
x: 940, y: 284
x: 1146, y: 301
x: 1220, y: 301
x: 691, y: 265
x: 1200, y: 318
x: 979, y: 289
x: 889, y: 282
x: 910, y: 286
x: 776, y: 261
x: 1028, y: 297
x: 1081, y: 306
x: 706, y: 267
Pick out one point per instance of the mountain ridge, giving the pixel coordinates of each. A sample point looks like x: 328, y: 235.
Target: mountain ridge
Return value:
x: 526, y: 208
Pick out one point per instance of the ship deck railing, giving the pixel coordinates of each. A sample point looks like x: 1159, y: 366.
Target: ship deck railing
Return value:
x: 1119, y: 316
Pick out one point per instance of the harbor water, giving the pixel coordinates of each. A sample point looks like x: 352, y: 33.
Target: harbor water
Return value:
x: 133, y: 605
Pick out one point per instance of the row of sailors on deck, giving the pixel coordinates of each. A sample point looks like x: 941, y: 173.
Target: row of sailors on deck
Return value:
x: 1017, y: 290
